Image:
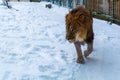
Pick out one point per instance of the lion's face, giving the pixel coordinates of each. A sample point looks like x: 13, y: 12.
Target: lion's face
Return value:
x: 75, y: 28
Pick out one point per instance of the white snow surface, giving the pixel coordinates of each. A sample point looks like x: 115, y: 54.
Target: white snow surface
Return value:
x: 1, y: 1
x: 33, y: 46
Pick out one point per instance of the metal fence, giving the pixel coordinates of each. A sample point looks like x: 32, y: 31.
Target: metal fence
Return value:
x: 110, y: 8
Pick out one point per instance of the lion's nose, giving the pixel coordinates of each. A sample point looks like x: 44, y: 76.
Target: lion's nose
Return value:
x: 68, y: 38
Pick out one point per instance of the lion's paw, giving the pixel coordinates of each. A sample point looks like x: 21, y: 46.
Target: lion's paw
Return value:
x: 80, y: 60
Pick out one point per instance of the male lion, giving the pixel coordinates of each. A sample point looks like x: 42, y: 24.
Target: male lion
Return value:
x: 79, y: 30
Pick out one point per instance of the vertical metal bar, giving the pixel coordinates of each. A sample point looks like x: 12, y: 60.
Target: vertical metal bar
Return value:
x: 70, y: 3
x: 112, y: 14
x: 85, y: 3
x: 119, y: 9
x: 53, y: 1
x: 60, y: 3
x: 91, y: 5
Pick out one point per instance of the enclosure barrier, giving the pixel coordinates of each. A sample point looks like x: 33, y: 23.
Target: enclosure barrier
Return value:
x: 104, y: 9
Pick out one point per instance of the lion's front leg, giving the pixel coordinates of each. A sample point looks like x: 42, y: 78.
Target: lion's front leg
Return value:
x: 89, y: 49
x: 80, y: 58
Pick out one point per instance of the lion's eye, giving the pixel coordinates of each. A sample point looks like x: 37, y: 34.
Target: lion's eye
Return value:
x: 72, y: 29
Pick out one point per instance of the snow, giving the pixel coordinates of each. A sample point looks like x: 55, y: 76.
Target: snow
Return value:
x: 33, y: 46
x: 1, y: 1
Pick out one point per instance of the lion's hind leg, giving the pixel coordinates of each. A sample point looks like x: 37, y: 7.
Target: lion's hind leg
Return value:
x: 89, y: 49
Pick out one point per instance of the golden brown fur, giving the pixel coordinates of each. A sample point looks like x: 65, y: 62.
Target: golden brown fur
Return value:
x: 79, y: 28
x: 79, y: 22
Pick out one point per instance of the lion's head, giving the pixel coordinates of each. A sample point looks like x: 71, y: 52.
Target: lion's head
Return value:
x: 76, y: 24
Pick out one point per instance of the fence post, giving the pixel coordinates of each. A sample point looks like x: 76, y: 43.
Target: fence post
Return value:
x: 112, y: 11
x: 91, y: 5
x: 85, y: 3
x: 70, y: 3
x: 60, y: 3
x: 53, y: 1
x: 5, y: 3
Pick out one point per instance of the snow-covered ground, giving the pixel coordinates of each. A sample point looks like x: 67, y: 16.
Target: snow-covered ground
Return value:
x: 33, y: 46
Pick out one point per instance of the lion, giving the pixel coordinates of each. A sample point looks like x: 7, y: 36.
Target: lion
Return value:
x: 79, y: 30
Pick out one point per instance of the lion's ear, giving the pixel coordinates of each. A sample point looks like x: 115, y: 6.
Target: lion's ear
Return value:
x: 74, y: 11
